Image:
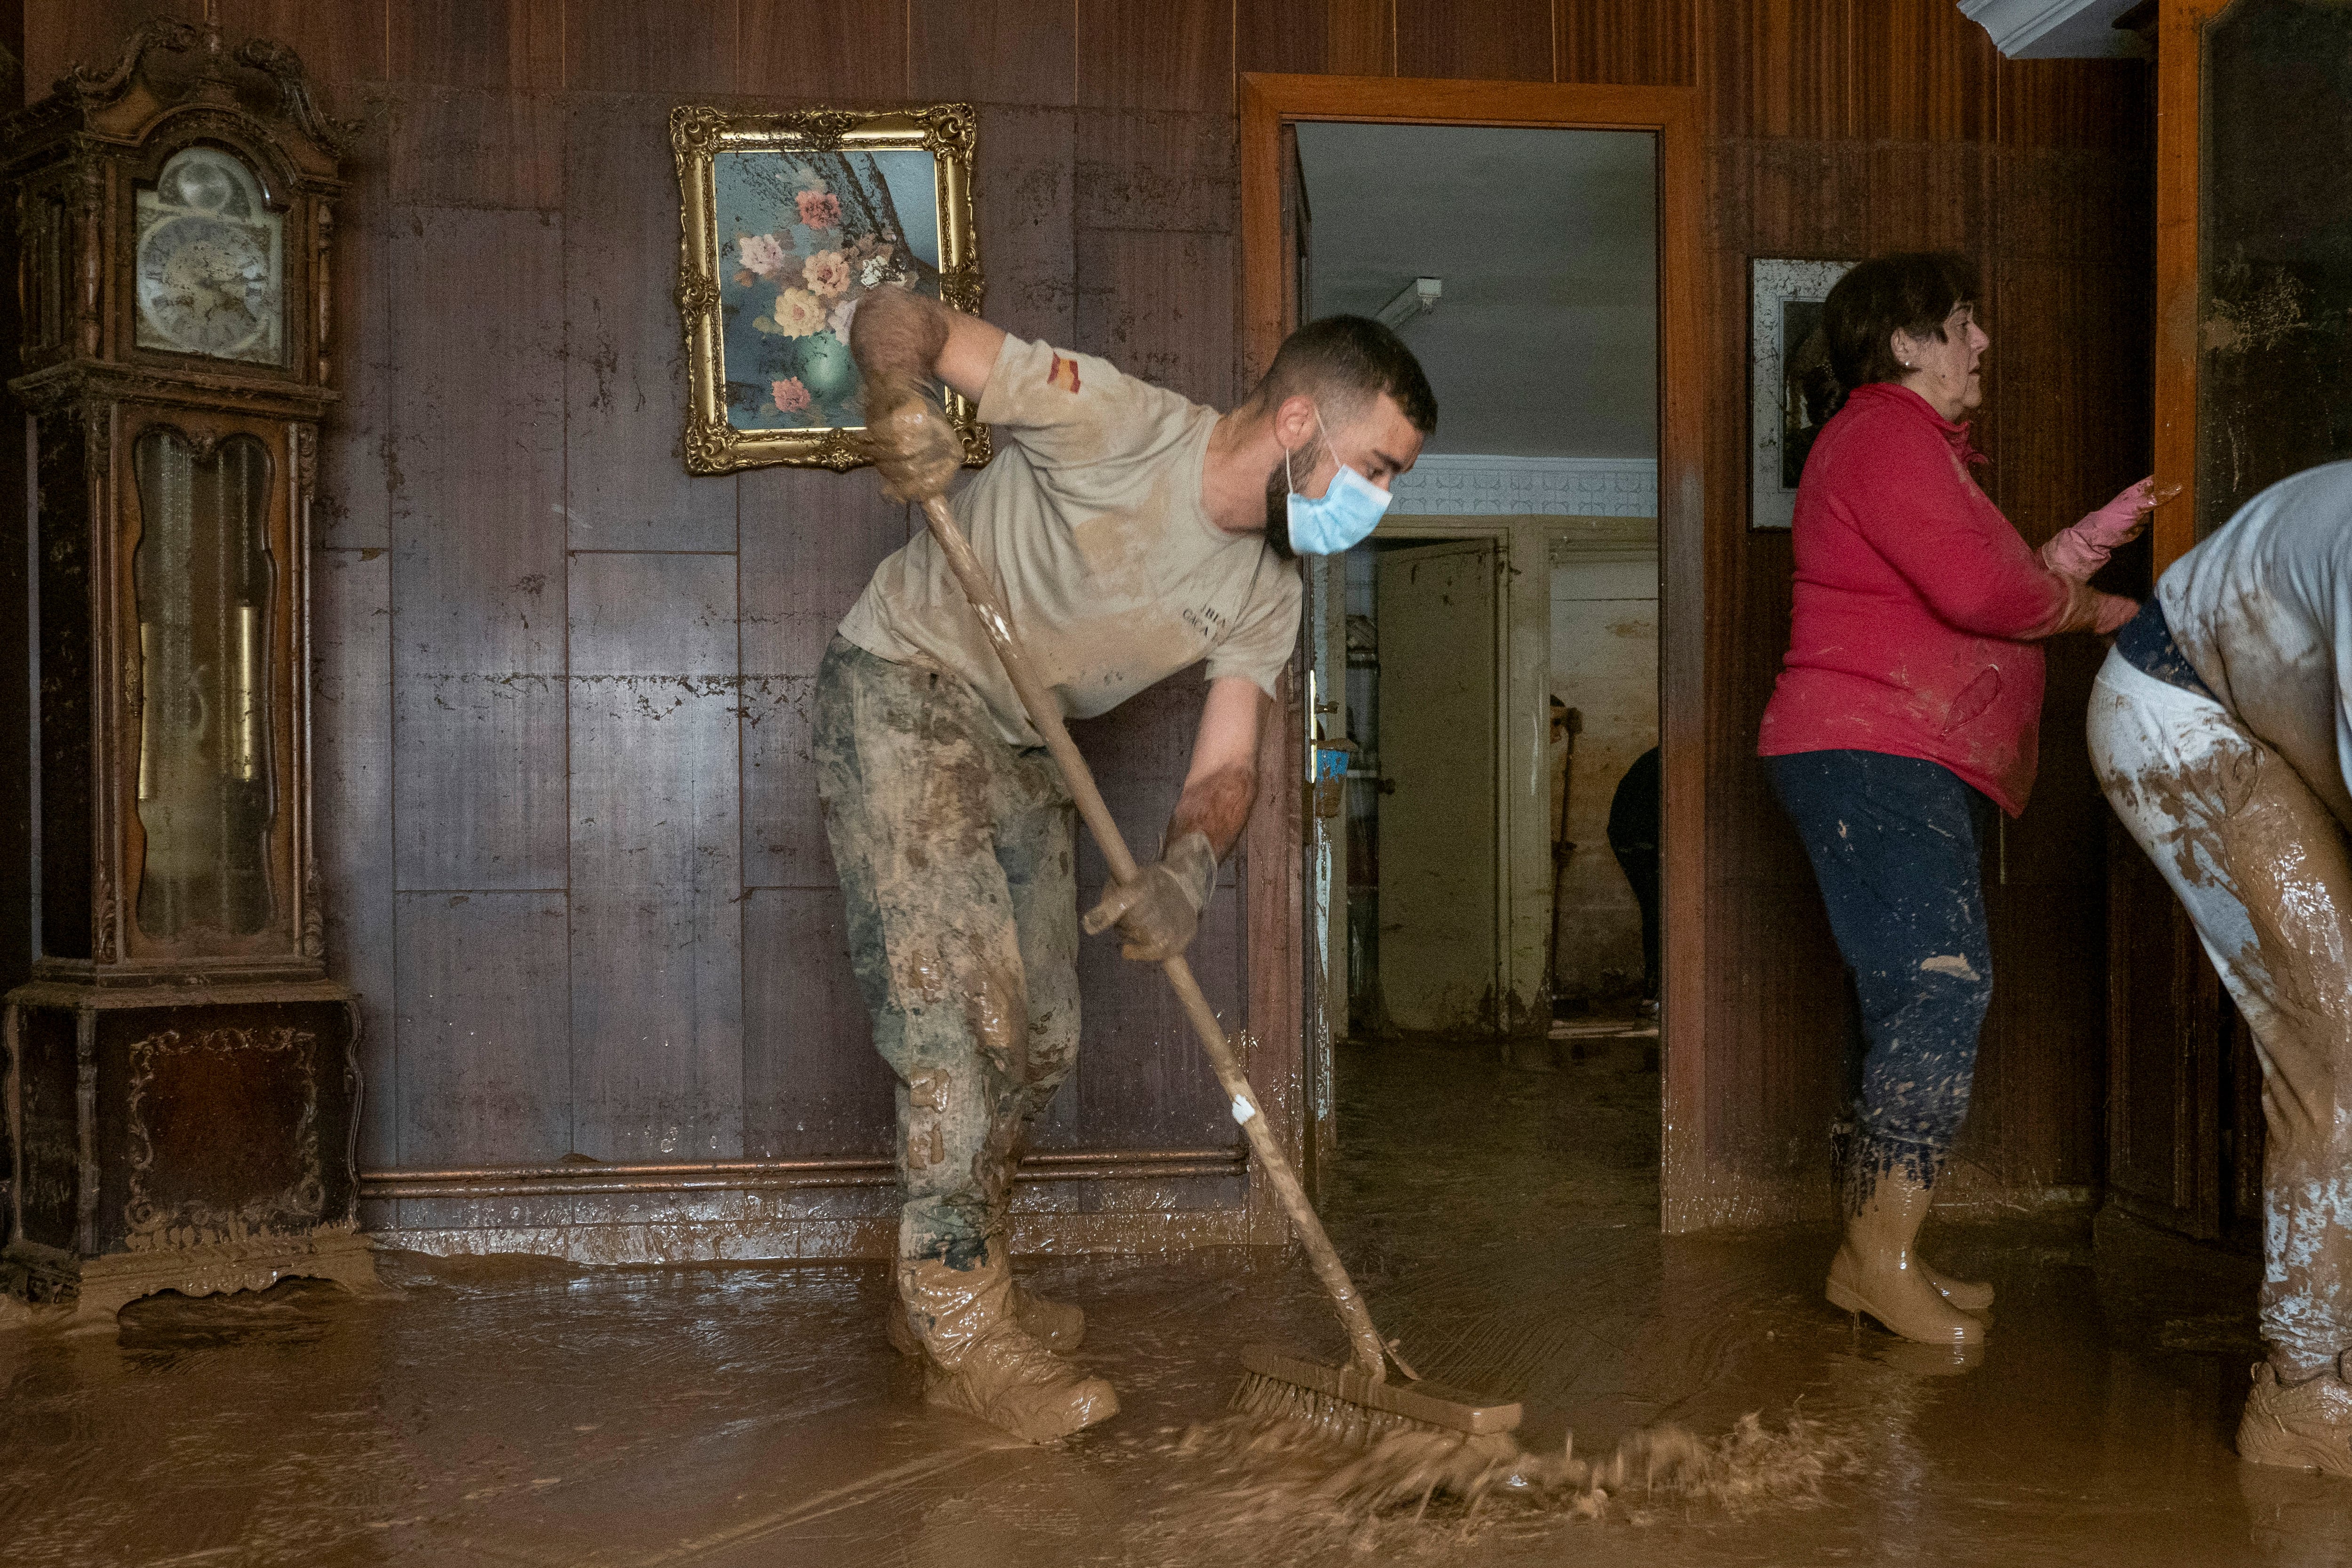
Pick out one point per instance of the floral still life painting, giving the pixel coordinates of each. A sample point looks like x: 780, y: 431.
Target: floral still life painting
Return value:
x: 790, y: 223
x: 813, y: 234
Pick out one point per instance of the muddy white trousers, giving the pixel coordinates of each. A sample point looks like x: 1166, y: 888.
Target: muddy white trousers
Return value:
x: 2265, y: 872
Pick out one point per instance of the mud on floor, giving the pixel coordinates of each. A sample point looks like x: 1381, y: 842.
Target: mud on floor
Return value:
x: 1689, y: 1401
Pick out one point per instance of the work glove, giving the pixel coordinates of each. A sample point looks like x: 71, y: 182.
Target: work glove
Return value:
x: 2087, y: 610
x: 2082, y: 550
x: 1160, y: 909
x: 909, y: 439
x: 2113, y: 611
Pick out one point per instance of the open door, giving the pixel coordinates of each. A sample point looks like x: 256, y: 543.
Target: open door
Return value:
x: 1324, y: 982
x: 1440, y: 945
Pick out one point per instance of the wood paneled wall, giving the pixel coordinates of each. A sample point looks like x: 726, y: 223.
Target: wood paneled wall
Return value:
x: 573, y: 857
x: 565, y: 809
x: 1897, y: 126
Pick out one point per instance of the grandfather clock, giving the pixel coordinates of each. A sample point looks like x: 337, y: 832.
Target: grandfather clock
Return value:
x: 183, y: 1084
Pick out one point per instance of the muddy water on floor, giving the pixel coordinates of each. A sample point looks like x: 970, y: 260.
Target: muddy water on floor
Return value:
x: 1503, y: 1223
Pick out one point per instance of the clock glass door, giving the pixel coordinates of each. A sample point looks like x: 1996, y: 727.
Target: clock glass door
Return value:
x: 202, y: 576
x: 212, y: 262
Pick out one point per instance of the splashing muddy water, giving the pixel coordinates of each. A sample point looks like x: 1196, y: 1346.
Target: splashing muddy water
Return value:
x: 1278, y: 1483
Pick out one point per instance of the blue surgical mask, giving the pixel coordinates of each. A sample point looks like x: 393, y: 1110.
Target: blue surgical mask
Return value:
x: 1345, y: 514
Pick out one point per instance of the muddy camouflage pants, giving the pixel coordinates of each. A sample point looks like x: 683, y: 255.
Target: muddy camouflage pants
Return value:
x: 957, y: 856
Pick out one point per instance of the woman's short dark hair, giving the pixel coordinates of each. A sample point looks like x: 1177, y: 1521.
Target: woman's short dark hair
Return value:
x: 1913, y: 292
x: 1348, y: 361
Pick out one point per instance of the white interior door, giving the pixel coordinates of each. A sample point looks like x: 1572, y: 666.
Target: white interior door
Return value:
x: 1439, y: 878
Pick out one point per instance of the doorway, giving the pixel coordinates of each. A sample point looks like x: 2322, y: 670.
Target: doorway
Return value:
x: 1483, y: 528
x: 1467, y: 912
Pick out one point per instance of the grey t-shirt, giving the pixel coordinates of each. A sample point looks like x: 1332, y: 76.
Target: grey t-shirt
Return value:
x: 1089, y: 519
x: 2263, y: 608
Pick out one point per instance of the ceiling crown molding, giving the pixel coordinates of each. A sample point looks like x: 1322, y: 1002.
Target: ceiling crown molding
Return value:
x: 2055, y: 30
x: 1462, y: 484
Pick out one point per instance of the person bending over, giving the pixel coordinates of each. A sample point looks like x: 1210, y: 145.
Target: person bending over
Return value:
x: 1906, y: 714
x: 1133, y: 533
x: 2220, y: 729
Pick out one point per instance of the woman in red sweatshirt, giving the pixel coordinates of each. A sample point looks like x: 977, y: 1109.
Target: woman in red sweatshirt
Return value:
x: 1906, y: 713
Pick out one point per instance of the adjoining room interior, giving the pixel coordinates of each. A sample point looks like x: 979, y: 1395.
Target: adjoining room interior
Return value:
x: 1472, y: 909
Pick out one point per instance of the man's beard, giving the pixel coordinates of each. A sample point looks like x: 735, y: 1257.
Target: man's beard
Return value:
x: 1277, y: 515
x: 1277, y: 497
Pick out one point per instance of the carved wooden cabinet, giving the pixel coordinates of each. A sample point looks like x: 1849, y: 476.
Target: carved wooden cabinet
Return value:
x: 183, y: 1081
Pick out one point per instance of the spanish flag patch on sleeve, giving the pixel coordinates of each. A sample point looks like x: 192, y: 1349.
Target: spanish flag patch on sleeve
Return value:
x: 1064, y: 374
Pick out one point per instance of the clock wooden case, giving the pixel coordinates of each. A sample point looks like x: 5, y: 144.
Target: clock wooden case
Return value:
x: 183, y: 1081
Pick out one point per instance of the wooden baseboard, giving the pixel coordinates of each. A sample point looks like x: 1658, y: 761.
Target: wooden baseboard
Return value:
x: 1147, y: 1233
x: 1967, y: 1193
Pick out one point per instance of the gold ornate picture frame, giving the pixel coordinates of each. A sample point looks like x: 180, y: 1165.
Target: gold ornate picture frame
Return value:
x: 787, y: 222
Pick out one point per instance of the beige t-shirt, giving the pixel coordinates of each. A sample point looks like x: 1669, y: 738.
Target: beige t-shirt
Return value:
x: 1089, y: 519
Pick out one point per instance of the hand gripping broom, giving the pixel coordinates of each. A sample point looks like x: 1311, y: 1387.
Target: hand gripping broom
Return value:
x: 1353, y: 1403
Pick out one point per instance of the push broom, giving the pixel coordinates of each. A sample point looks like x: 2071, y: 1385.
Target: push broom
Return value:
x: 1353, y: 1403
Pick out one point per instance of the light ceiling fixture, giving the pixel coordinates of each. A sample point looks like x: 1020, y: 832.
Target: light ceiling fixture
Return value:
x: 1415, y: 299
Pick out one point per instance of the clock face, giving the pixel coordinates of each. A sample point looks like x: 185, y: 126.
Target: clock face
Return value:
x: 211, y: 262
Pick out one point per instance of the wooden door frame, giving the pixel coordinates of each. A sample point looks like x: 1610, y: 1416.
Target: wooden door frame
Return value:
x: 2180, y: 84
x: 2199, y: 1198
x: 1275, y: 906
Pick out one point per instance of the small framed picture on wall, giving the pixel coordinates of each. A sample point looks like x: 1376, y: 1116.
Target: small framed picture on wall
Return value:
x: 1788, y: 380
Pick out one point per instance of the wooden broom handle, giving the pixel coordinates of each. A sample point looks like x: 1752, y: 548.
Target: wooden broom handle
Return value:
x: 1045, y: 716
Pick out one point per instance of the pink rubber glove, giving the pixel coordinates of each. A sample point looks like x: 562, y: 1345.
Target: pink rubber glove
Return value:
x: 2082, y: 550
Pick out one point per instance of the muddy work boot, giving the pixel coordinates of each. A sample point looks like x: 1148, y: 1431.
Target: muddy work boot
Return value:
x: 1877, y: 1271
x: 2305, y: 1424
x: 978, y: 1359
x: 1059, y: 1327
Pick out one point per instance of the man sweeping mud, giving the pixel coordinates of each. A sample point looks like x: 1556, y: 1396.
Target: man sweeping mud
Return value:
x: 1133, y: 533
x: 2222, y: 731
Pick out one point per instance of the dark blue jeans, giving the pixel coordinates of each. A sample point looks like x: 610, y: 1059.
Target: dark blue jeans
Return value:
x: 1895, y: 845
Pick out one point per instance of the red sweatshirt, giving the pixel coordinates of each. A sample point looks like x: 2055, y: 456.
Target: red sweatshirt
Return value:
x: 1917, y: 604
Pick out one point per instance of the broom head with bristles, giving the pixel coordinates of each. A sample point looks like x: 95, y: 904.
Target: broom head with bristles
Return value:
x: 1343, y: 1404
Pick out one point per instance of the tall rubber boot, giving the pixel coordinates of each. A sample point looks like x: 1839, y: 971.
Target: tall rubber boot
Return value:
x: 2305, y: 1424
x: 1875, y: 1272
x: 1969, y: 1295
x: 978, y: 1359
